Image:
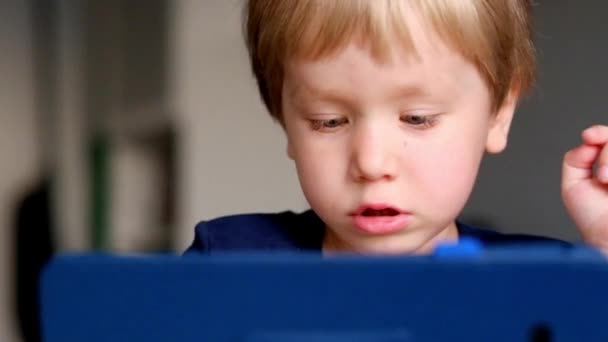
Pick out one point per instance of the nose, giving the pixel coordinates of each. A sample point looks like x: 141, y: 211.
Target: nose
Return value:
x: 374, y: 154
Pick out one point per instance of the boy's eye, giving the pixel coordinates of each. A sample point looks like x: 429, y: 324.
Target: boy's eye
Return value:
x: 419, y: 121
x: 329, y: 124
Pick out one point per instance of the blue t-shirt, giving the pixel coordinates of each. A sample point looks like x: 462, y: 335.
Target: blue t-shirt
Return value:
x: 289, y: 231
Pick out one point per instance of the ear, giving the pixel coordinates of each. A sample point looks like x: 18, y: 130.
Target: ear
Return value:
x: 501, y: 123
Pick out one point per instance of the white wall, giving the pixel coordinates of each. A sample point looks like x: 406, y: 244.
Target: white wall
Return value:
x: 233, y: 158
x: 70, y: 191
x: 19, y: 150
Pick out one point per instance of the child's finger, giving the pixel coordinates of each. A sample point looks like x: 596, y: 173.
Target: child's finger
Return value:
x: 602, y: 165
x: 596, y: 135
x: 578, y: 164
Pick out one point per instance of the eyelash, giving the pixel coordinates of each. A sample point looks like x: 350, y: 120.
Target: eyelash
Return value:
x: 330, y: 125
x: 428, y: 121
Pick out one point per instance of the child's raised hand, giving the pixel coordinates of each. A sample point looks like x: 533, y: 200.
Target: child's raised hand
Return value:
x: 585, y: 192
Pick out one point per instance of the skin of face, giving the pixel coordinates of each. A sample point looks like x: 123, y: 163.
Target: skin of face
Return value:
x: 406, y: 133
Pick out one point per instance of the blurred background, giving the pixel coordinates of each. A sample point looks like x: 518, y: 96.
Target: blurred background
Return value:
x: 123, y: 123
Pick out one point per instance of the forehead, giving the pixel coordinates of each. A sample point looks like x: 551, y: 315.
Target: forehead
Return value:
x: 427, y: 66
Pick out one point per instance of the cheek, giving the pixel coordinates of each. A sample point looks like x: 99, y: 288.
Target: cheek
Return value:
x: 320, y: 168
x: 455, y: 157
x: 447, y: 173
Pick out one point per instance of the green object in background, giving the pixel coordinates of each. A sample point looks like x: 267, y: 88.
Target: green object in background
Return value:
x: 100, y: 188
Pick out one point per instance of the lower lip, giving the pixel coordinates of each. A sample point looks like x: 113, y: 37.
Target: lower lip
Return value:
x: 381, y: 224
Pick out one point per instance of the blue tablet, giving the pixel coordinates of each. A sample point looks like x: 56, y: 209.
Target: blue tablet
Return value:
x: 511, y: 294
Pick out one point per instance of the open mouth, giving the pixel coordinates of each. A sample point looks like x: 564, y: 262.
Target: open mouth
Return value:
x: 380, y: 212
x: 380, y: 219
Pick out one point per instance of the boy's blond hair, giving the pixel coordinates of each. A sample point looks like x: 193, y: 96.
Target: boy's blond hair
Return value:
x: 495, y: 35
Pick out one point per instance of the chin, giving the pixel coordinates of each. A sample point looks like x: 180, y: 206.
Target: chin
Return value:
x: 389, y: 248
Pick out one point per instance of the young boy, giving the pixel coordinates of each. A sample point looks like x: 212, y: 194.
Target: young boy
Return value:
x: 388, y: 107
